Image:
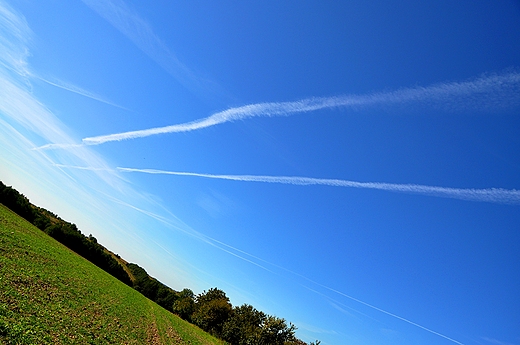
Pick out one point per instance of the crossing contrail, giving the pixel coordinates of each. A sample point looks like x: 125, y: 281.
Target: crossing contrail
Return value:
x: 493, y: 195
x: 495, y: 89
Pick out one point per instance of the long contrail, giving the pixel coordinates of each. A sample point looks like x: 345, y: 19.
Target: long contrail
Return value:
x: 501, y: 88
x: 494, y: 195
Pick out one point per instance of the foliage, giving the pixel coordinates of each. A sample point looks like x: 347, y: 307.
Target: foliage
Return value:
x: 212, y: 309
x: 17, y: 202
x: 65, y: 232
x: 184, y: 306
x: 274, y: 331
x: 152, y: 288
x: 87, y: 247
x: 243, y: 327
x: 50, y: 295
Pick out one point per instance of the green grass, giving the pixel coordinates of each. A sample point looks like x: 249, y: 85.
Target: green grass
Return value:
x: 50, y: 295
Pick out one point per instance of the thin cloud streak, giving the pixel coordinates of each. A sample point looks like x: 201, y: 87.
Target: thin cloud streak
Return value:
x: 77, y: 90
x: 14, y: 39
x: 493, y: 195
x: 504, y: 87
x: 57, y: 146
x: 80, y: 168
x: 390, y: 314
x: 329, y: 289
x: 127, y: 21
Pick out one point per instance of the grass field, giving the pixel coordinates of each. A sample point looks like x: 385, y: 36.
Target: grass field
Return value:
x: 50, y: 295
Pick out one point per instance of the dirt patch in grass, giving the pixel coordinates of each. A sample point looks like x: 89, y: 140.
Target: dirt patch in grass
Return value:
x: 153, y: 335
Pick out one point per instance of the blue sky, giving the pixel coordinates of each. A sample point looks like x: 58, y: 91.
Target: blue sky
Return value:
x: 352, y: 167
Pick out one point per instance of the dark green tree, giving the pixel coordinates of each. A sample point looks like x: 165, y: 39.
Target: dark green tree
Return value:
x: 184, y: 305
x: 275, y: 331
x: 212, y: 310
x: 16, y: 202
x: 243, y: 327
x: 152, y: 288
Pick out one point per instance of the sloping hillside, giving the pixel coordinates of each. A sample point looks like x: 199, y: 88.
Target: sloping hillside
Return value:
x: 51, y: 295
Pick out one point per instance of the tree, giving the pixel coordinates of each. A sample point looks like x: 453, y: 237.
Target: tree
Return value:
x: 212, y: 309
x: 301, y: 342
x: 165, y: 296
x: 184, y: 306
x: 16, y: 202
x: 274, y: 331
x: 211, y: 295
x: 243, y: 327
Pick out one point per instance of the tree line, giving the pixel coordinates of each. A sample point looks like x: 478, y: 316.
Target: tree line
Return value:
x: 211, y: 310
x: 240, y: 325
x: 64, y: 232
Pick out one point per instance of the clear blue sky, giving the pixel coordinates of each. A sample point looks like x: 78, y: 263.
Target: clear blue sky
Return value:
x: 340, y: 156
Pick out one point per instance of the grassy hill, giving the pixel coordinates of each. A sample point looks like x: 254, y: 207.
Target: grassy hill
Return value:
x: 51, y: 295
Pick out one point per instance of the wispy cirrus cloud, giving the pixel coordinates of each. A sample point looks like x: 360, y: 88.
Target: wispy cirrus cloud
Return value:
x: 494, y: 195
x: 127, y: 21
x: 14, y: 45
x: 14, y: 40
x: 23, y: 114
x: 24, y: 120
x: 87, y: 196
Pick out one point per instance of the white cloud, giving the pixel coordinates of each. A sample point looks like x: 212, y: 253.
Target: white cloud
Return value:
x: 495, y: 195
x: 483, y: 92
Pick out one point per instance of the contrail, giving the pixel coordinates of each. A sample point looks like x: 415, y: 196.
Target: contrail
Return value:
x: 57, y: 146
x: 77, y: 90
x: 388, y: 313
x: 493, y: 89
x: 80, y: 167
x: 494, y: 195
